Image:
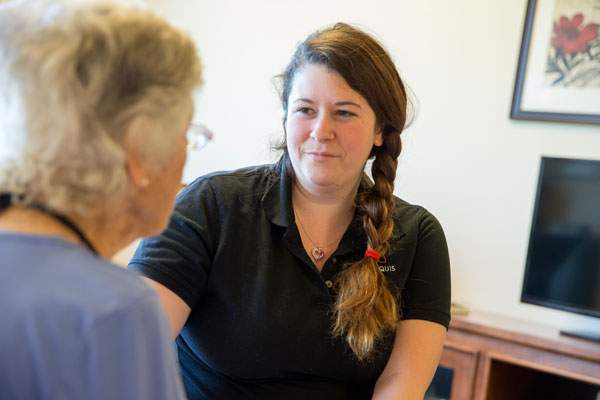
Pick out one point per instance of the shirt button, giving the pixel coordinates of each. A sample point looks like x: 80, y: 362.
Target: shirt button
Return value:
x: 328, y: 283
x: 334, y: 260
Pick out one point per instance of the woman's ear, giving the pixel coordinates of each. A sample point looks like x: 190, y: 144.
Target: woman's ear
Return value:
x: 378, y: 141
x: 134, y: 163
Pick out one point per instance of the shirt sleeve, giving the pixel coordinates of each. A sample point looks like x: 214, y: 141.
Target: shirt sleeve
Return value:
x: 129, y: 355
x: 180, y: 257
x: 426, y: 294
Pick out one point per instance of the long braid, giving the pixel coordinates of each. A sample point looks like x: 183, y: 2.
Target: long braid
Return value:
x: 365, y: 309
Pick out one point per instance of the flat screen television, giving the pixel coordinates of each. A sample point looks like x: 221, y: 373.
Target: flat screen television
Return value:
x: 563, y: 259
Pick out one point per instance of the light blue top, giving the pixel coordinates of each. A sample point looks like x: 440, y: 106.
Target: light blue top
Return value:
x: 74, y: 326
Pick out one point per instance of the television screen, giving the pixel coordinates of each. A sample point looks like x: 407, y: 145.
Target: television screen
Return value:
x: 563, y: 259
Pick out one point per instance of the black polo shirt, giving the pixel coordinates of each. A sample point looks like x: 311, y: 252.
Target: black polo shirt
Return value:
x: 260, y: 321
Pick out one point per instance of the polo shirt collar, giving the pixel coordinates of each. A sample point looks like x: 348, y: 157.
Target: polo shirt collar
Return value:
x: 277, y: 205
x: 277, y: 201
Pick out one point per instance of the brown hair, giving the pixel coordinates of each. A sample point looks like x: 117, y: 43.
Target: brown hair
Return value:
x: 365, y: 310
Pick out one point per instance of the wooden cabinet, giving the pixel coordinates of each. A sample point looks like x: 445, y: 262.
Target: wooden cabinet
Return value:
x: 497, y: 358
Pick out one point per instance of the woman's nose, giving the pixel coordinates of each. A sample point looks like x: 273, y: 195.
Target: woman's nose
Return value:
x: 323, y: 129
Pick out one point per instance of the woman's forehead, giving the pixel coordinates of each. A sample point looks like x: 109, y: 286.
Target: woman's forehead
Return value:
x: 315, y: 81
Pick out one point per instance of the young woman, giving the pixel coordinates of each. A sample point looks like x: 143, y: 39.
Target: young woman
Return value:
x: 305, y: 279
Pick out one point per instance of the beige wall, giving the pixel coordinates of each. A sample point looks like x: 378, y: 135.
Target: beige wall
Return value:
x: 464, y: 159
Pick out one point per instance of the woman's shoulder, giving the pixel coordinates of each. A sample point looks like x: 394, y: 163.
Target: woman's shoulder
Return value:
x: 413, y: 218
x: 404, y: 209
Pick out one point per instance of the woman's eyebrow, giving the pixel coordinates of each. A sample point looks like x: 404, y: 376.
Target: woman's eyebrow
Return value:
x: 347, y: 103
x: 339, y: 103
x: 303, y: 100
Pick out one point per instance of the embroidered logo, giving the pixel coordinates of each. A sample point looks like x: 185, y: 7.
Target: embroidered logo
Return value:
x: 387, y: 268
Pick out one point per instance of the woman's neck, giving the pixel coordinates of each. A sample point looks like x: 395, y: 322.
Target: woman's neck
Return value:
x: 332, y: 208
x: 322, y: 221
x: 336, y: 196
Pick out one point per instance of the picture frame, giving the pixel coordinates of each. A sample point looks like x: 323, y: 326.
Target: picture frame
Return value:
x: 558, y: 74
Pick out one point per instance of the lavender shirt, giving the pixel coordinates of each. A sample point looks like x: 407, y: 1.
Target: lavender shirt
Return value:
x: 74, y: 326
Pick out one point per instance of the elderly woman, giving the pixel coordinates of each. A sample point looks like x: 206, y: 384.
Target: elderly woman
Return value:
x: 94, y: 109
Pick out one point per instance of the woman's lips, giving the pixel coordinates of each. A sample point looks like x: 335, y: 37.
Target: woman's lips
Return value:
x: 320, y: 155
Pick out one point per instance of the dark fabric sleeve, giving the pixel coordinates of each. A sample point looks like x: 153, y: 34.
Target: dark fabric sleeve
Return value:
x: 180, y: 257
x: 427, y: 291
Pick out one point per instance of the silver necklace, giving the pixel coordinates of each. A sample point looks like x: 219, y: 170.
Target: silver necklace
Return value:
x: 317, y: 252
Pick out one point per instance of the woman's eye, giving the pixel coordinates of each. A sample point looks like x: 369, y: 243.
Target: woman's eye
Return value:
x: 345, y: 113
x: 305, y: 110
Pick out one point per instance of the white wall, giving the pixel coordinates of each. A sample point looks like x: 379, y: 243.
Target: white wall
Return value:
x: 463, y: 159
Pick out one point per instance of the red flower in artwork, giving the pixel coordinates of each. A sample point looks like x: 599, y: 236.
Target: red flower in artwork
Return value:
x: 569, y: 39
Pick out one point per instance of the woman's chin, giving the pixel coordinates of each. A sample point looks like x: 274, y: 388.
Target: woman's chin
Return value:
x: 324, y: 182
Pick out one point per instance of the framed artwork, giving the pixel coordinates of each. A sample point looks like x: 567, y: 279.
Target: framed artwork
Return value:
x: 558, y: 76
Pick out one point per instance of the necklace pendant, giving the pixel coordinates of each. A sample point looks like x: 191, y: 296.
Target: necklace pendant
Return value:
x: 317, y: 253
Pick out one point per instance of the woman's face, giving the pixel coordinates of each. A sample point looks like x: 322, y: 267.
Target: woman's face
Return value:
x: 330, y: 130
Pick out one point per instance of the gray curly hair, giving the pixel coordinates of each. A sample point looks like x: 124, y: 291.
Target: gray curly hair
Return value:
x: 73, y: 75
